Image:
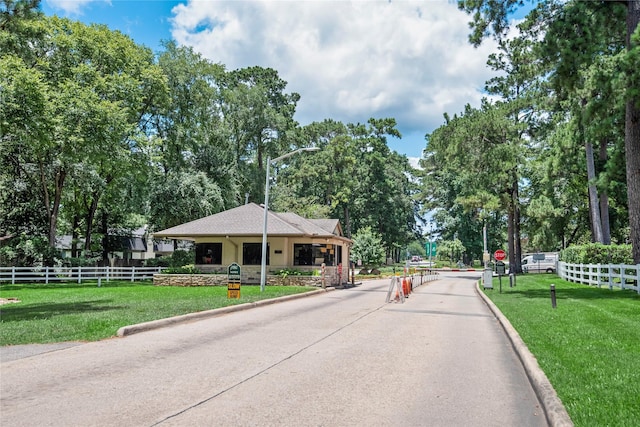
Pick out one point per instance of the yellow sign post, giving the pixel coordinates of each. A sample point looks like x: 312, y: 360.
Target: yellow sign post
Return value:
x: 233, y: 290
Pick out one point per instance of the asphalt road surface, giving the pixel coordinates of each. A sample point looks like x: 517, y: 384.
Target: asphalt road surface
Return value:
x: 341, y: 358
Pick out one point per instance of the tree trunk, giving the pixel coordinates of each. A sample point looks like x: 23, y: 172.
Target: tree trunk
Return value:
x: 93, y: 207
x: 594, y: 204
x: 632, y: 142
x: 74, y: 236
x: 347, y: 221
x: 517, y: 267
x: 105, y: 238
x: 510, y: 232
x: 52, y: 206
x: 604, y: 200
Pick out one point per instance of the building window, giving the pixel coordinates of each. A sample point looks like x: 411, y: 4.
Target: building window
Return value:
x: 252, y: 254
x: 315, y: 254
x: 209, y: 253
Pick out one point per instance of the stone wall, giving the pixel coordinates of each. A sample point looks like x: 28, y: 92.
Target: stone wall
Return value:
x: 221, y: 280
x: 190, y: 279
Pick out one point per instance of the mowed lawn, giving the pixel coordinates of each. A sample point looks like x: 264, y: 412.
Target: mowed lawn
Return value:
x: 86, y: 312
x: 588, y: 346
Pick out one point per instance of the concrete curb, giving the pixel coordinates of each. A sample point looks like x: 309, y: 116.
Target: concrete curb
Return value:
x: 161, y: 323
x: 554, y: 410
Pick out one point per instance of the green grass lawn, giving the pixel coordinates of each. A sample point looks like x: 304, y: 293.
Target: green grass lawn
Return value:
x: 86, y: 312
x: 589, y: 346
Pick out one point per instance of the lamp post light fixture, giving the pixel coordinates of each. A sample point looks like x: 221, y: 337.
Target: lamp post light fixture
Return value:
x: 263, y: 270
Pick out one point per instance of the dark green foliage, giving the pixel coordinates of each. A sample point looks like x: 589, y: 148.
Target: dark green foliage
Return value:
x: 181, y: 258
x: 158, y: 262
x: 291, y: 272
x: 597, y: 253
x: 80, y: 262
x: 185, y: 269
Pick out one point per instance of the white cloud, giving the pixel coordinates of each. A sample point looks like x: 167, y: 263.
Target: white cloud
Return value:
x: 72, y: 7
x: 349, y: 60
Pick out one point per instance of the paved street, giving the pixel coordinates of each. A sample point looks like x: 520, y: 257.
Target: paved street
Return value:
x: 341, y: 358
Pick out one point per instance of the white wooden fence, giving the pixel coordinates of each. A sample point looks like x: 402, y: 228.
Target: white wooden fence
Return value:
x: 75, y: 274
x: 622, y: 276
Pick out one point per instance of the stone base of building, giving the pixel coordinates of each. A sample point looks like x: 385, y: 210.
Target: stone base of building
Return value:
x: 221, y: 280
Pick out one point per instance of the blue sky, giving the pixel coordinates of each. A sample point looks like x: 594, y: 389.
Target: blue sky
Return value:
x: 348, y: 60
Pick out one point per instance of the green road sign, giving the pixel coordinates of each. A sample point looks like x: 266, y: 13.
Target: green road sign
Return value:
x: 431, y: 248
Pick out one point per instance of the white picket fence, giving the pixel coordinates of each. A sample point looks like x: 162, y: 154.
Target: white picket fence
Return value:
x: 75, y: 274
x: 621, y: 276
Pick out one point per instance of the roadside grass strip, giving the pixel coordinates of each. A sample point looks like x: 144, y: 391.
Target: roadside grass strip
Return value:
x: 589, y: 346
x: 71, y: 312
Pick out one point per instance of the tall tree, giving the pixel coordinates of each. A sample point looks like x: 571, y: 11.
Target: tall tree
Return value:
x: 354, y: 177
x: 491, y: 17
x: 259, y: 116
x: 94, y: 85
x: 468, y: 170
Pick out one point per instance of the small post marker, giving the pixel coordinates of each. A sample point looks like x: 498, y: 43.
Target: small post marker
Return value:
x: 553, y: 296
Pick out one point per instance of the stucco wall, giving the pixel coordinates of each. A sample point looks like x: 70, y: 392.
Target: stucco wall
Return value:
x: 280, y: 249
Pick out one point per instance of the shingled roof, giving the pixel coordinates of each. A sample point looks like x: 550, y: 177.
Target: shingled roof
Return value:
x: 247, y: 220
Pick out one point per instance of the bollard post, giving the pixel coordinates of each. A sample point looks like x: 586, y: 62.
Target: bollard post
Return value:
x: 511, y: 277
x: 553, y: 296
x: 353, y: 274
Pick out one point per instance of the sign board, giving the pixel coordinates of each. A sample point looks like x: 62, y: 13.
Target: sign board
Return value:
x: 499, y: 255
x: 234, y: 272
x: 500, y: 268
x: 431, y: 248
x: 233, y: 279
x: 233, y: 290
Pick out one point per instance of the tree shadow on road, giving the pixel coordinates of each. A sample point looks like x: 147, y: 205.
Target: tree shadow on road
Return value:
x: 18, y: 312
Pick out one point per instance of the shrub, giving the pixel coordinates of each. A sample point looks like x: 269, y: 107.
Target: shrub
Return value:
x: 182, y: 257
x: 177, y: 259
x: 597, y: 253
x: 81, y: 262
x: 289, y: 272
x: 158, y: 262
x: 185, y: 269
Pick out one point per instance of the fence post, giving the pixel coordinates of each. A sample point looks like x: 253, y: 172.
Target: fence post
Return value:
x: 638, y: 278
x: 13, y: 275
x: 133, y: 273
x: 108, y: 273
x: 79, y: 274
x: 46, y: 275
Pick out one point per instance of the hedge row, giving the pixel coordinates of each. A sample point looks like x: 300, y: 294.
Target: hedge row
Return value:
x: 597, y: 253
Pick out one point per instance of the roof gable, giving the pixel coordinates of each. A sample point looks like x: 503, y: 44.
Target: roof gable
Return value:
x: 247, y: 220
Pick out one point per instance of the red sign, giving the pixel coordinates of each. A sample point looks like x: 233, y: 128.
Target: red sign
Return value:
x: 499, y: 255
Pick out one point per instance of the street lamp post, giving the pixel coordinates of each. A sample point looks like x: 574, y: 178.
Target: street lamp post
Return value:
x: 263, y: 270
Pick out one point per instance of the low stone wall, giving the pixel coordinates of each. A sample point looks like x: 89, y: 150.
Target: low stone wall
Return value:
x: 221, y: 280
x: 190, y: 279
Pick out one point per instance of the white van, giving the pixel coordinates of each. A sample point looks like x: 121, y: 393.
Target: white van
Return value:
x: 540, y: 263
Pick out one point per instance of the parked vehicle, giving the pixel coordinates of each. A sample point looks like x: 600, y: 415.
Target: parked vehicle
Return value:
x: 540, y: 262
